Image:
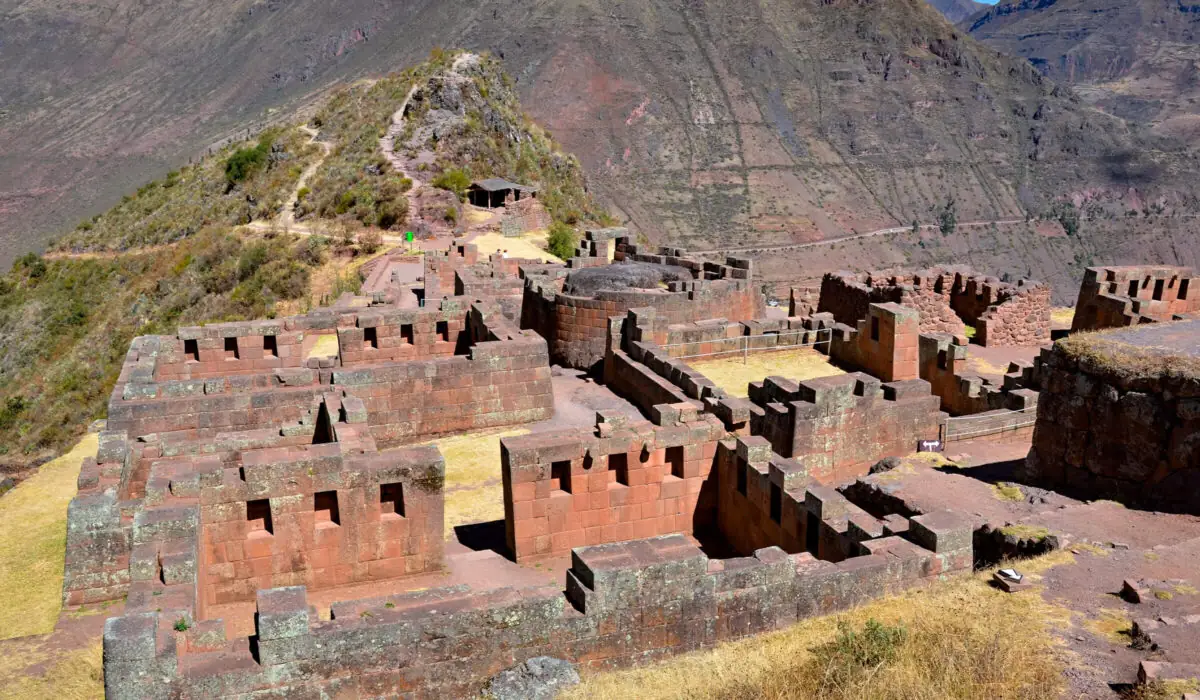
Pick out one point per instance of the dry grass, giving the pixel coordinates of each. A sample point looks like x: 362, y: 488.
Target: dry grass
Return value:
x: 963, y: 639
x: 531, y: 245
x: 1111, y: 624
x: 734, y: 377
x: 70, y: 675
x: 327, y: 280
x: 1026, y: 532
x: 1062, y: 316
x: 326, y: 346
x: 474, y: 492
x: 1098, y: 351
x: 33, y: 543
x: 1007, y: 492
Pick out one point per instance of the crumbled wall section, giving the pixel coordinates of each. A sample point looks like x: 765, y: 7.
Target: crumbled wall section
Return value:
x: 576, y: 327
x: 622, y: 481
x: 1115, y: 432
x: 1002, y: 313
x: 839, y: 426
x: 624, y: 603
x: 1115, y: 297
x: 943, y: 363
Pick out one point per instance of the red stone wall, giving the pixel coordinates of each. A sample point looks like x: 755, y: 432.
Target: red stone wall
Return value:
x: 838, y: 427
x: 884, y: 343
x: 1114, y: 297
x: 369, y: 542
x: 620, y: 482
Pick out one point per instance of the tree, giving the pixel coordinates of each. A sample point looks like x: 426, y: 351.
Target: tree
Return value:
x: 455, y: 181
x: 1068, y: 217
x: 916, y: 227
x: 561, y: 241
x: 947, y: 218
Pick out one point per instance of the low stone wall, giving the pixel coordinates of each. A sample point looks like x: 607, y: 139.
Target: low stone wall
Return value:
x: 884, y: 343
x: 625, y: 603
x: 624, y: 480
x: 1115, y: 297
x: 943, y: 363
x: 840, y: 426
x: 1119, y: 418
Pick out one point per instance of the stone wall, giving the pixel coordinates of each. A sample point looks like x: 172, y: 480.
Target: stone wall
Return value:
x: 1119, y: 418
x: 1115, y: 297
x: 576, y: 327
x: 624, y: 604
x: 884, y: 343
x: 840, y: 426
x: 943, y: 363
x: 624, y: 480
x: 1002, y: 313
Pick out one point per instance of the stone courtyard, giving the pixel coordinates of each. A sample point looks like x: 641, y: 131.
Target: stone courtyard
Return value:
x: 268, y: 504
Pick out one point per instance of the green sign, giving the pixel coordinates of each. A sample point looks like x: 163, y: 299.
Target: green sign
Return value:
x: 408, y: 236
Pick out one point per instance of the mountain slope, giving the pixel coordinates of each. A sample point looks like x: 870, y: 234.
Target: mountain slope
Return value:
x: 706, y: 122
x: 1138, y: 59
x: 957, y: 10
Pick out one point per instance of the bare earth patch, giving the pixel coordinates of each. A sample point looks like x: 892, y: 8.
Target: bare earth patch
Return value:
x: 531, y: 245
x: 734, y: 376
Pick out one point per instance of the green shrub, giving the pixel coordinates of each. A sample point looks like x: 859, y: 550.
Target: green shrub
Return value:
x: 455, y: 181
x: 182, y: 625
x: 246, y: 161
x: 854, y: 653
x: 561, y: 241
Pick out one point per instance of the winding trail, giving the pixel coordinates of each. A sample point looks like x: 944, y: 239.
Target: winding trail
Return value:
x: 844, y: 239
x: 287, y: 217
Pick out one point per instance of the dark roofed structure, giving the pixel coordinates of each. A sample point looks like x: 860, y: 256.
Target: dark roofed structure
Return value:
x: 494, y: 191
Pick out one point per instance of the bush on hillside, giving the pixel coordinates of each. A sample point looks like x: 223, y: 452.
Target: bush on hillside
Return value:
x: 562, y: 241
x: 246, y: 161
x: 455, y: 181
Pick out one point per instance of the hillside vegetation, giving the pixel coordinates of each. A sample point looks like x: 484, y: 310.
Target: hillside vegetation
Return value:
x: 174, y: 253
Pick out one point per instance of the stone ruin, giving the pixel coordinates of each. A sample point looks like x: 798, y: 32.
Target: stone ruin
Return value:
x: 1001, y: 313
x: 1115, y: 297
x: 261, y: 463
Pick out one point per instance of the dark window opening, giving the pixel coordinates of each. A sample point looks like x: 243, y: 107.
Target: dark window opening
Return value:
x: 370, y: 338
x: 270, y: 346
x: 675, y: 459
x: 1133, y: 288
x: 741, y: 478
x: 619, y: 466
x: 812, y: 534
x: 1183, y: 289
x: 191, y: 350
x: 325, y: 504
x: 875, y: 328
x: 443, y: 329
x: 231, y: 349
x: 258, y: 514
x: 391, y: 499
x: 323, y: 435
x: 776, y: 503
x: 1158, y: 289
x: 406, y: 332
x: 560, y: 476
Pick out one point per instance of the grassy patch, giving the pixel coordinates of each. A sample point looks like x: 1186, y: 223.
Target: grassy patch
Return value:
x: 33, y: 543
x: 1062, y: 316
x: 531, y: 245
x: 1026, y: 532
x: 961, y: 639
x: 734, y: 377
x: 1113, y: 625
x: 73, y: 675
x: 1104, y: 354
x: 474, y: 493
x: 1008, y: 492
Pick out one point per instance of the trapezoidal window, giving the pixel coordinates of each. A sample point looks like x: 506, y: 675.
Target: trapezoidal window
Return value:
x: 1183, y: 289
x: 391, y: 500
x: 1158, y: 289
x: 406, y: 333
x: 258, y: 515
x: 371, y: 338
x: 191, y: 350
x: 443, y: 330
x: 325, y: 504
x: 618, y: 465
x: 560, y: 476
x: 231, y: 349
x: 776, y: 503
x: 675, y: 459
x: 270, y: 346
x: 875, y: 328
x: 1133, y: 288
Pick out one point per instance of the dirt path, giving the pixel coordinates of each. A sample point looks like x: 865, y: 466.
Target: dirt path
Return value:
x: 287, y: 217
x: 844, y: 239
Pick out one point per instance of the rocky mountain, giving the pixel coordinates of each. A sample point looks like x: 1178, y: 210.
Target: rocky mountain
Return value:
x: 957, y: 10
x: 1137, y: 60
x: 708, y: 122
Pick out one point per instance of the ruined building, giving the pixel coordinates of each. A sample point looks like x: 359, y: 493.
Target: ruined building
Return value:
x: 1114, y: 297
